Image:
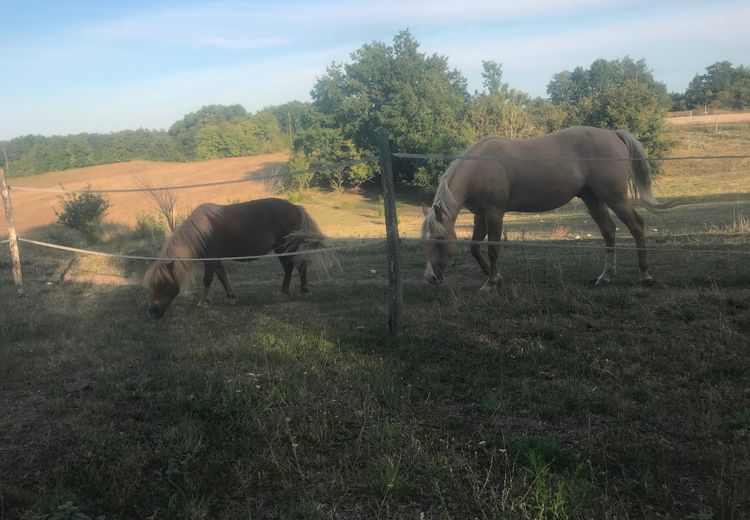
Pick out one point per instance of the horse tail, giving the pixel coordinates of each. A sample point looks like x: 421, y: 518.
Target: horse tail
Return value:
x: 310, y: 241
x: 640, y: 175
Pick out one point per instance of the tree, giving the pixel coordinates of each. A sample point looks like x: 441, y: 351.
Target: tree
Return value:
x: 185, y: 131
x: 618, y: 94
x: 83, y: 211
x: 722, y: 86
x: 416, y: 97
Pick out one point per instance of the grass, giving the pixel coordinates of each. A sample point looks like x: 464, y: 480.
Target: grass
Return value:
x: 549, y: 399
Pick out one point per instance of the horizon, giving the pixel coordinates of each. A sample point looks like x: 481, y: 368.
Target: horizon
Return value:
x: 83, y: 68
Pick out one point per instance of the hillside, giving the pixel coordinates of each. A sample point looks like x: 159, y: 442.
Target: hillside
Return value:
x: 35, y: 209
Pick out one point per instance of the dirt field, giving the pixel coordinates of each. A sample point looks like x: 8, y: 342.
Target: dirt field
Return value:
x: 710, y: 119
x: 35, y: 209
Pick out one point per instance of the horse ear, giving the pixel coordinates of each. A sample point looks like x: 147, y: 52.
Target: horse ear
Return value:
x: 438, y: 213
x: 170, y: 266
x: 425, y: 211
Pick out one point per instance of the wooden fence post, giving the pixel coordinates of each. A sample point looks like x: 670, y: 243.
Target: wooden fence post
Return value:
x: 12, y: 238
x: 395, y: 297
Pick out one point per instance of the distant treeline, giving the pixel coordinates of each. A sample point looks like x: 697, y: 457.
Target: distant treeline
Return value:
x: 425, y: 105
x: 212, y: 132
x: 723, y: 86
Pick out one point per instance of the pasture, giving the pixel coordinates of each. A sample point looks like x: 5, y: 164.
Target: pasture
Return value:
x: 550, y: 398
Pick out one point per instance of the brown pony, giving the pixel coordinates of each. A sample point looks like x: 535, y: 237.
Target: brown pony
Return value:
x: 541, y: 174
x: 246, y: 229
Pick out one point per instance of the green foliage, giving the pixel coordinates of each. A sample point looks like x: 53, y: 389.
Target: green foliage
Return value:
x: 227, y: 131
x: 83, y: 211
x: 150, y: 225
x: 211, y: 132
x: 723, y: 86
x: 416, y: 97
x: 617, y: 94
x: 33, y: 154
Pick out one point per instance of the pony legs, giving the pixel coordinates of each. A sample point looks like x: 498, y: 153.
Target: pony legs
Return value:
x: 626, y: 212
x: 494, y: 232
x: 209, y: 268
x: 480, y: 232
x: 600, y: 214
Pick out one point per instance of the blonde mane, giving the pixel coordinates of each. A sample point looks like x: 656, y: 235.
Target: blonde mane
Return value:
x: 447, y: 204
x: 189, y: 240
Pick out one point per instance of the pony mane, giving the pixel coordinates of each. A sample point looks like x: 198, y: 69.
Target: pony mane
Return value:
x: 189, y: 240
x: 447, y: 204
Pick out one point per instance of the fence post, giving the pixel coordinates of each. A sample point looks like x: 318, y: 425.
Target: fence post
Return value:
x: 395, y: 297
x: 12, y: 238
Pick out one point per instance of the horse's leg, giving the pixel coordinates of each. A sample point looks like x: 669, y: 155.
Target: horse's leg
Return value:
x: 626, y: 212
x: 288, y: 264
x: 494, y: 232
x: 600, y: 214
x: 302, y: 268
x: 480, y: 231
x: 208, y: 276
x: 222, y: 275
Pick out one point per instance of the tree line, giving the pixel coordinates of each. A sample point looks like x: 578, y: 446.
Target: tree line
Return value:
x: 212, y: 132
x: 425, y: 105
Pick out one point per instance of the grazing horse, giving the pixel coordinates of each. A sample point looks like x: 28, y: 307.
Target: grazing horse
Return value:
x: 535, y: 175
x: 246, y: 229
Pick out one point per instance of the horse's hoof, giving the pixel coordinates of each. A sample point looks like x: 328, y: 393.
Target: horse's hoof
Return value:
x: 487, y: 289
x: 602, y: 282
x: 232, y: 300
x: 305, y: 292
x: 204, y: 303
x: 648, y: 282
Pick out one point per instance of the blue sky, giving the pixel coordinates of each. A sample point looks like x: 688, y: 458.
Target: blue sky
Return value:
x: 71, y: 66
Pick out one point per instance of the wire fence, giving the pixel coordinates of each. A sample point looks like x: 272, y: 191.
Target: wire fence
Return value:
x: 369, y: 159
x: 531, y: 158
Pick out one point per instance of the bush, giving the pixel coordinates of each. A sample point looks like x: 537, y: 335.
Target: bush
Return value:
x: 150, y: 225
x: 83, y: 211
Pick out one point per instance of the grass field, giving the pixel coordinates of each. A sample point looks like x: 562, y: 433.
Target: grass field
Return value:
x: 550, y: 399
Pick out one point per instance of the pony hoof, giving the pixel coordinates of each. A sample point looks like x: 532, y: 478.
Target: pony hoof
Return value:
x: 232, y: 300
x: 305, y: 292
x: 204, y: 303
x: 648, y: 282
x: 487, y: 289
x: 602, y: 282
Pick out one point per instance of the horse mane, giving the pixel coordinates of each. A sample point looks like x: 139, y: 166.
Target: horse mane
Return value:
x: 189, y: 240
x: 445, y: 201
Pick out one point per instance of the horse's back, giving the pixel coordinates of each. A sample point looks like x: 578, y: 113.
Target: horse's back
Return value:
x: 544, y: 172
x: 255, y: 227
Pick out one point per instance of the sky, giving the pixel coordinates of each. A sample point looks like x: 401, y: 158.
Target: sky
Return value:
x: 71, y: 66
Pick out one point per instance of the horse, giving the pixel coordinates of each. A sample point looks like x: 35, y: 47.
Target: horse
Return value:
x: 214, y: 231
x: 604, y: 168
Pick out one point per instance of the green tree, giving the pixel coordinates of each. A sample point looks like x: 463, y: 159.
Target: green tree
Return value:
x: 83, y: 211
x: 416, y: 97
x: 722, y: 86
x: 617, y: 94
x: 185, y: 130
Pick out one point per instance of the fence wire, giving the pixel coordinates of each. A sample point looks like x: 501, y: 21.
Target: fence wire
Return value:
x: 501, y: 158
x: 207, y: 259
x: 569, y: 245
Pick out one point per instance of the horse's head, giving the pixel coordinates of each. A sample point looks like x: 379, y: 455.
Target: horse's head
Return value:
x: 438, y: 234
x: 164, y: 287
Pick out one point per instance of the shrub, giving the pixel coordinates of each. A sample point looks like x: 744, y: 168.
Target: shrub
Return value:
x: 83, y: 211
x: 150, y: 225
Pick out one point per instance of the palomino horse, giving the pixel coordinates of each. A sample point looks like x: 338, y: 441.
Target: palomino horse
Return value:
x: 535, y: 175
x: 246, y: 229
